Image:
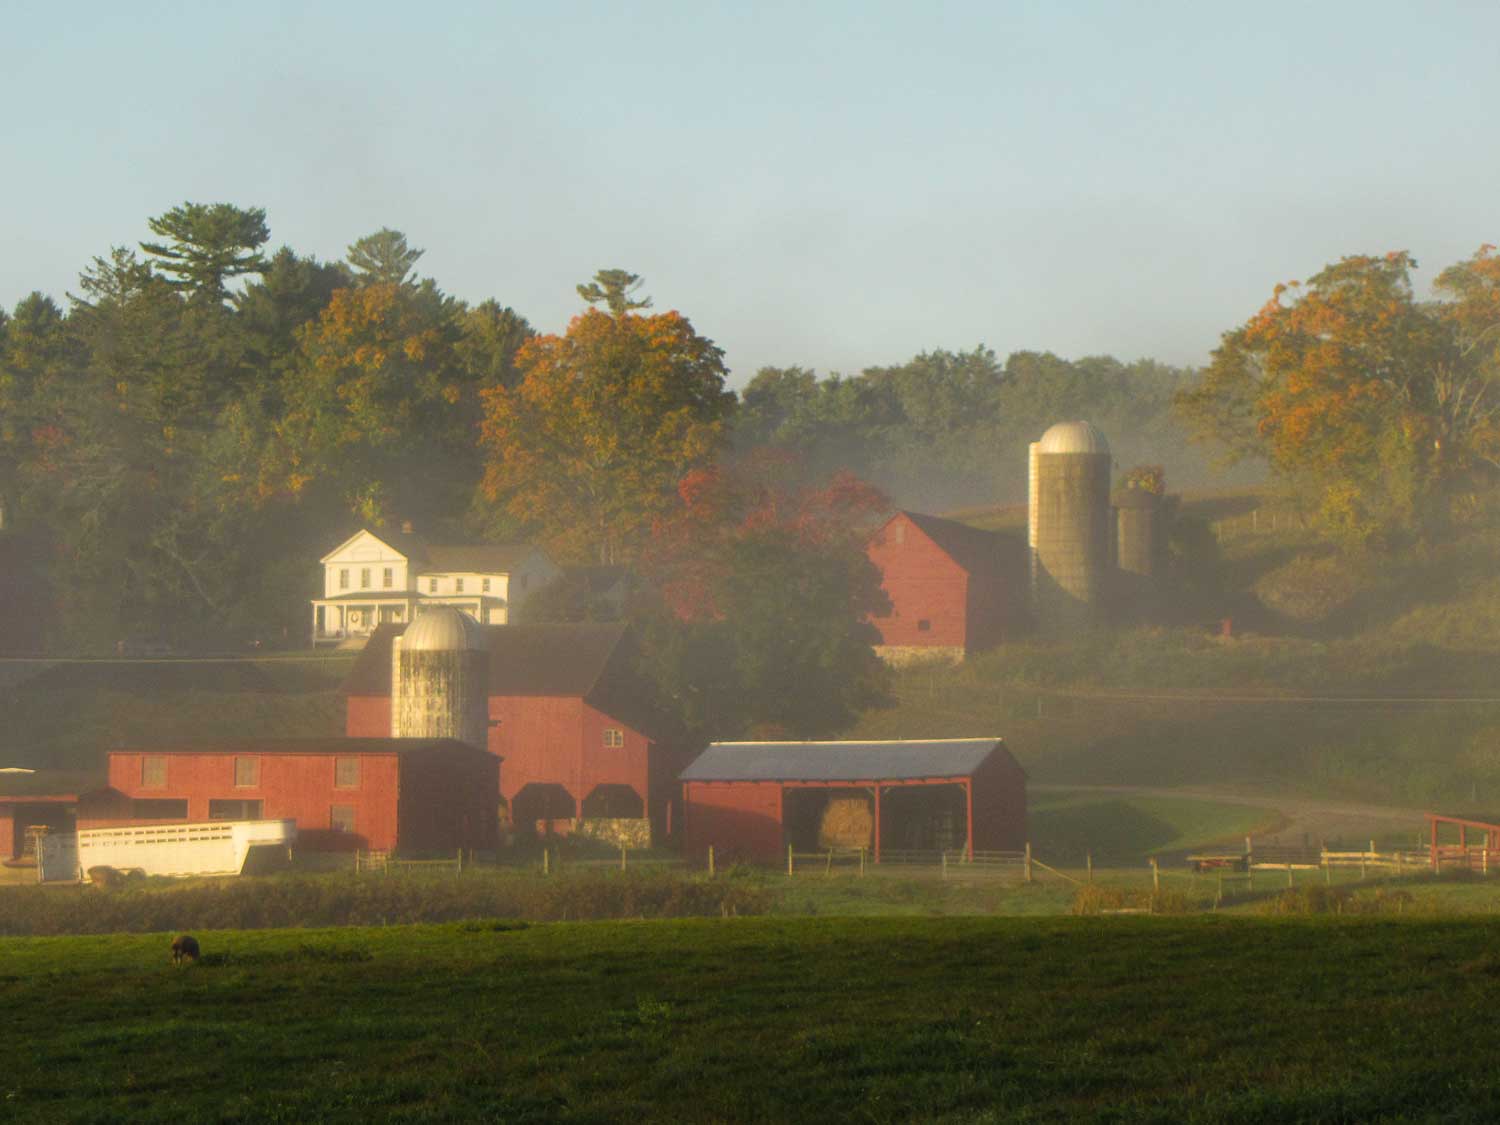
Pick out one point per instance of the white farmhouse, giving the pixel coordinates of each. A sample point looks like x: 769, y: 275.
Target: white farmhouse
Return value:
x: 371, y: 580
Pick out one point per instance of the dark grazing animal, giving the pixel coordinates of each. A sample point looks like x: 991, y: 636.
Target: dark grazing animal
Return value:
x: 184, y: 947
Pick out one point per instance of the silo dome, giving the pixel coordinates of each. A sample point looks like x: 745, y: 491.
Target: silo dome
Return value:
x: 1073, y: 437
x: 443, y: 629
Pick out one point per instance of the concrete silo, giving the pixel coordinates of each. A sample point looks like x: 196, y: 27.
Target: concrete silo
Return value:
x: 1069, y: 527
x: 1140, y: 539
x: 440, y: 679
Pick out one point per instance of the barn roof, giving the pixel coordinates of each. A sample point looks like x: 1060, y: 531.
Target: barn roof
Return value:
x: 972, y: 548
x: 37, y: 784
x: 342, y: 746
x: 842, y: 761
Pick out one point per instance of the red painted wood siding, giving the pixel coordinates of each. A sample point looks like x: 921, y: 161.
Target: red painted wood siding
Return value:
x: 292, y: 786
x: 449, y: 799
x: 999, y: 804
x: 741, y: 820
x: 923, y: 584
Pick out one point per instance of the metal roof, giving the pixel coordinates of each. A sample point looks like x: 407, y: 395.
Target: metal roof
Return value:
x: 841, y: 761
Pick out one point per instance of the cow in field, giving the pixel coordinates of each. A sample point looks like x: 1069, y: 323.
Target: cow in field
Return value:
x: 184, y: 948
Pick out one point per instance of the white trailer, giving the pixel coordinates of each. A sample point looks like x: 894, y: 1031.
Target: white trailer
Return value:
x: 215, y: 847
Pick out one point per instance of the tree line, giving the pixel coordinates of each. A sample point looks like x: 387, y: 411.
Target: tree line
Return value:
x: 186, y: 433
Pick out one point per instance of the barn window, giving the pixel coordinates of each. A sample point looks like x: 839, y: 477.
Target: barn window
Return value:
x: 346, y: 773
x: 614, y: 738
x: 387, y: 577
x: 344, y: 579
x: 924, y: 626
x: 341, y: 818
x: 246, y: 773
x: 159, y: 809
x: 154, y: 772
x: 458, y: 585
x: 226, y: 809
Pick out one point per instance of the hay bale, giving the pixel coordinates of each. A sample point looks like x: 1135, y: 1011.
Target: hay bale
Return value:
x: 848, y: 822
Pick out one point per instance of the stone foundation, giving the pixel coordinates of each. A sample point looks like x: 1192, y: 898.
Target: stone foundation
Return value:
x: 623, y: 832
x: 903, y: 656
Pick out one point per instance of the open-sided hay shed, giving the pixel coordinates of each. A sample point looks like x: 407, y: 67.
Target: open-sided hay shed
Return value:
x: 755, y: 799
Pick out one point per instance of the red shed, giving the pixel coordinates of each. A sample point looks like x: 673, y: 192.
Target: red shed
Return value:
x: 573, y: 718
x: 39, y: 799
x: 953, y: 589
x: 383, y: 794
x: 754, y: 799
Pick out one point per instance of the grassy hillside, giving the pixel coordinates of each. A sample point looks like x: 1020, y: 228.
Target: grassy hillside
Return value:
x: 1371, y: 677
x: 972, y: 1019
x: 65, y: 715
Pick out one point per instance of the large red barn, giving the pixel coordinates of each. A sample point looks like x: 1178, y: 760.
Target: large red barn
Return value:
x: 571, y: 715
x: 953, y: 589
x: 381, y: 794
x: 755, y: 799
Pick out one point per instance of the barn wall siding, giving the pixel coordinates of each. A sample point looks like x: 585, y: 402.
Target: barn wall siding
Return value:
x: 923, y: 584
x: 299, y: 787
x: 739, y: 820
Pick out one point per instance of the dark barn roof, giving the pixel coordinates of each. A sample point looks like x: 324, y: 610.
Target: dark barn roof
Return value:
x: 972, y: 548
x: 311, y: 746
x: 37, y: 784
x: 841, y: 761
x: 595, y: 663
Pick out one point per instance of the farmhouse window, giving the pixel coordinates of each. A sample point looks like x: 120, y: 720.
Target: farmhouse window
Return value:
x: 159, y: 808
x: 344, y: 578
x: 154, y: 772
x: 924, y: 626
x: 387, y: 577
x: 364, y: 578
x: 246, y: 773
x: 227, y: 809
x: 346, y: 773
x: 614, y: 738
x: 341, y: 818
x: 432, y: 585
x: 458, y: 585
x: 484, y: 585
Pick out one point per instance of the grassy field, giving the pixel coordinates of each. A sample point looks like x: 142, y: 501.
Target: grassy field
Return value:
x: 972, y: 1020
x: 1064, y: 826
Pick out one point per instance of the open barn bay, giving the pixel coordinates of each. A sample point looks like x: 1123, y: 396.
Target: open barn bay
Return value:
x: 869, y: 1019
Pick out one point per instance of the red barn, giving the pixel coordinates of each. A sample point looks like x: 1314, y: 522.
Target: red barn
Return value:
x: 570, y: 713
x: 381, y: 794
x: 754, y: 799
x: 953, y: 589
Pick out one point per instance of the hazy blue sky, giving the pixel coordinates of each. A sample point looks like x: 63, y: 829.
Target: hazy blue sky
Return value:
x: 833, y: 185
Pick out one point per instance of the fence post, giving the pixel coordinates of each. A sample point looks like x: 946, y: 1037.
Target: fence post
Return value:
x: 1089, y: 859
x: 356, y: 861
x: 1028, y: 861
x: 459, y: 866
x: 861, y: 861
x: 546, y: 861
x: 1289, y: 875
x: 1155, y: 875
x: 945, y: 863
x: 789, y: 859
x: 622, y: 857
x: 710, y: 861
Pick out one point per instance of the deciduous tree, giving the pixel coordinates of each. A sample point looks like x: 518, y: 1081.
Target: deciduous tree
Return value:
x: 605, y: 420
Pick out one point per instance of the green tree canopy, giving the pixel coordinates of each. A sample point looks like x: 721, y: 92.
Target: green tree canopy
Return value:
x: 383, y: 258
x: 208, y: 244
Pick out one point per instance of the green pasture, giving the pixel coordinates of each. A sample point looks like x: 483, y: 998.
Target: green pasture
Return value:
x: 769, y: 1019
x: 1067, y: 825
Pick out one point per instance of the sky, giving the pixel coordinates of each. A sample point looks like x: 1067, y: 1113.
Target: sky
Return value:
x: 831, y: 185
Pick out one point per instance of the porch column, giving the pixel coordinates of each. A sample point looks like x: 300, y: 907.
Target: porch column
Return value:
x: 969, y: 812
x: 877, y: 823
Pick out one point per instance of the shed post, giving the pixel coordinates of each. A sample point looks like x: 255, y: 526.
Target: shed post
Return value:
x: 1028, y: 861
x: 877, y: 823
x: 969, y: 810
x: 1155, y: 875
x: 710, y: 861
x: 789, y: 859
x: 1088, y: 858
